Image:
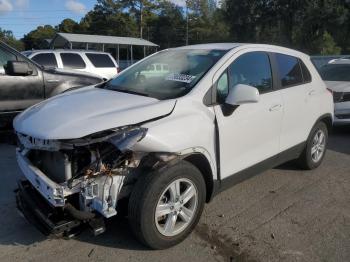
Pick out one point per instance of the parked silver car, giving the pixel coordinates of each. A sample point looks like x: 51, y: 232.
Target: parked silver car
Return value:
x: 336, y: 74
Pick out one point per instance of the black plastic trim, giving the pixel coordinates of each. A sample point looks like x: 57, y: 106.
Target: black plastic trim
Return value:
x: 285, y: 156
x: 46, y: 219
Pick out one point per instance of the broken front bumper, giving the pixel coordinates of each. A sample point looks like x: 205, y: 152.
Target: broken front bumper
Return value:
x: 53, y: 193
x: 47, y: 219
x: 55, y: 221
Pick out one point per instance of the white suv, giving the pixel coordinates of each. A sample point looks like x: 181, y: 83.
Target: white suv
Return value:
x: 165, y: 145
x: 93, y: 62
x: 336, y: 75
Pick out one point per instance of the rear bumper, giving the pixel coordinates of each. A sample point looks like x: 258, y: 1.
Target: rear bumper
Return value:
x: 49, y: 220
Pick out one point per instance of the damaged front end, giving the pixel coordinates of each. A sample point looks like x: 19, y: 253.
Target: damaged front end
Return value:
x: 82, y: 179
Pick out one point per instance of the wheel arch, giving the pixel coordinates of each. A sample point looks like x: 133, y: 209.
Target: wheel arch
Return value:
x: 201, y: 162
x: 327, y: 119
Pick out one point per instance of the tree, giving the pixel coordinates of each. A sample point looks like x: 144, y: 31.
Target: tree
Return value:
x: 299, y: 24
x: 8, y: 37
x: 142, y: 11
x: 168, y: 29
x: 206, y: 22
x: 34, y: 39
x: 67, y: 26
x: 108, y: 18
x: 326, y: 45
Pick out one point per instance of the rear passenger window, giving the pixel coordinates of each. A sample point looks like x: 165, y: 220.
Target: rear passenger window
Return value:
x: 289, y: 70
x: 100, y: 60
x: 159, y: 67
x: 47, y: 60
x: 252, y: 69
x: 306, y: 72
x: 72, y: 60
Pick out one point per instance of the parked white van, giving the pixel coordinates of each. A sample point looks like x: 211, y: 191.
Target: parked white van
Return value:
x: 94, y: 62
x: 165, y: 145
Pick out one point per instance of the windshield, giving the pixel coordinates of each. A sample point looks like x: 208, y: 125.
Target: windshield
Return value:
x: 339, y: 72
x: 166, y: 75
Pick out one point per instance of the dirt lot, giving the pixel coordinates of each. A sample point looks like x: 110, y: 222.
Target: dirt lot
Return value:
x: 282, y: 215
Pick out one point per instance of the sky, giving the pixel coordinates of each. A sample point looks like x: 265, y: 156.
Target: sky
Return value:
x: 22, y: 16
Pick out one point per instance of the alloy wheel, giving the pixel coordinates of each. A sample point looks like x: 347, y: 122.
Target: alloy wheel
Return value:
x: 176, y: 207
x: 318, y: 146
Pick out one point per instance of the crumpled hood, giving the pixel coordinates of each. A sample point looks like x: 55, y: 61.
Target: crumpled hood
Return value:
x: 86, y: 111
x: 338, y: 86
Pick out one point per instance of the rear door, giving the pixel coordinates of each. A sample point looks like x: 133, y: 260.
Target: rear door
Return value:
x: 73, y: 61
x: 18, y: 92
x: 249, y: 133
x: 103, y: 64
x: 46, y: 59
x: 295, y: 93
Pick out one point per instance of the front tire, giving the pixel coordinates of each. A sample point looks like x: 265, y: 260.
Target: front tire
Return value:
x: 166, y: 205
x: 315, y: 148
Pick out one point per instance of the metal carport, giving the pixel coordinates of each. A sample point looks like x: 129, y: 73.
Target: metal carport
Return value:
x: 104, y: 43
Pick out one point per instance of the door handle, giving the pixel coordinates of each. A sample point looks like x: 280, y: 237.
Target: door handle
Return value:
x: 312, y: 92
x: 52, y: 80
x: 275, y: 107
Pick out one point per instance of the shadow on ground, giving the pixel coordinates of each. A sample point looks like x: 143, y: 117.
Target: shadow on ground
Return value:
x: 15, y: 230
x: 339, y: 139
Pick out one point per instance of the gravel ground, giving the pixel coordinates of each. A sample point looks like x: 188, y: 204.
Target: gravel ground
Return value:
x: 283, y: 214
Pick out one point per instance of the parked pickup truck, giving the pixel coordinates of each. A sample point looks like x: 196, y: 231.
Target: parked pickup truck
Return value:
x: 24, y: 83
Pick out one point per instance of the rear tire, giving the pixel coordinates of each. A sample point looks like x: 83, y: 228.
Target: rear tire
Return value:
x: 154, y: 194
x: 315, y: 149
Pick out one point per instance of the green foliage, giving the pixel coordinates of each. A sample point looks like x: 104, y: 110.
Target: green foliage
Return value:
x: 168, y: 29
x: 8, y: 38
x: 312, y: 26
x: 35, y: 38
x: 67, y: 26
x: 326, y: 45
x: 108, y: 18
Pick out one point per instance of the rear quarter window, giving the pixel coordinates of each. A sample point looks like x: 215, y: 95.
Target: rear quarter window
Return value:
x: 71, y: 60
x: 306, y: 73
x: 100, y: 60
x: 289, y: 70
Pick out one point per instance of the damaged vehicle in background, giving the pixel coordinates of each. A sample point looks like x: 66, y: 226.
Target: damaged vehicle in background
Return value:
x: 167, y: 143
x: 24, y: 83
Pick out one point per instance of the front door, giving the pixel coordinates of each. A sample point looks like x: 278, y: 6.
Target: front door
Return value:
x: 18, y: 92
x: 250, y: 133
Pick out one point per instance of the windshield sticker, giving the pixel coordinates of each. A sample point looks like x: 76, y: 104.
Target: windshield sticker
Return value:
x: 180, y: 78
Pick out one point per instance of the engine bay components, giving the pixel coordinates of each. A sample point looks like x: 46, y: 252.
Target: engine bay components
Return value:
x: 94, y: 168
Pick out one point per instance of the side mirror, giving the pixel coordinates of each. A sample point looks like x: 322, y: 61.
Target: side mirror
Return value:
x: 242, y: 94
x: 18, y: 68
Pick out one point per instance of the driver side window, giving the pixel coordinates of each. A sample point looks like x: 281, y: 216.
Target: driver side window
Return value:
x: 5, y: 56
x: 252, y: 69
